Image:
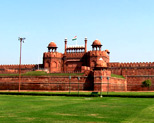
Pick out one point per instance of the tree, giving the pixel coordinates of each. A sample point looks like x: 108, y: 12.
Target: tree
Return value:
x: 146, y: 83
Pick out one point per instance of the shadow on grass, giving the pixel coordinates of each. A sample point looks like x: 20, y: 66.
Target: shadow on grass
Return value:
x: 77, y: 95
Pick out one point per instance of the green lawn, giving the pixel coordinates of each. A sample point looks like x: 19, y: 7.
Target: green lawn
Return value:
x: 80, y: 93
x: 42, y: 73
x: 61, y: 109
x: 117, y: 76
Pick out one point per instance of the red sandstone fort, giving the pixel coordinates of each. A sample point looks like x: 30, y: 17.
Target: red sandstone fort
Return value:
x: 95, y: 65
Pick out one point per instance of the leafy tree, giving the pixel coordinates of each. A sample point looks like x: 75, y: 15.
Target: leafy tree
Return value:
x: 146, y: 83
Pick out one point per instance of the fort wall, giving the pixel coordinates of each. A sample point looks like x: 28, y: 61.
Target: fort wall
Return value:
x: 134, y: 83
x: 103, y: 81
x: 125, y: 69
x: 135, y: 73
x: 47, y: 83
x: 59, y: 83
x: 6, y: 69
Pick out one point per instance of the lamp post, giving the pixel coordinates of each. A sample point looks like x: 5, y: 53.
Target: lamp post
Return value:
x: 21, y: 41
x: 108, y: 85
x: 101, y: 87
x: 78, y: 85
x: 69, y: 84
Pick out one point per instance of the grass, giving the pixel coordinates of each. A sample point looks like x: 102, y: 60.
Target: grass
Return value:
x: 42, y: 73
x: 61, y: 109
x: 82, y: 94
x: 117, y: 76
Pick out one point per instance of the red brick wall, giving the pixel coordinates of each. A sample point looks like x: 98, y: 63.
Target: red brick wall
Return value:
x: 117, y: 84
x: 136, y: 73
x: 134, y: 83
x: 145, y: 68
x: 46, y: 83
x: 4, y: 69
x: 107, y: 82
x: 113, y: 84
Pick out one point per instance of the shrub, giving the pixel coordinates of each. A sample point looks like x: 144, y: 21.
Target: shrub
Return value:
x: 146, y: 83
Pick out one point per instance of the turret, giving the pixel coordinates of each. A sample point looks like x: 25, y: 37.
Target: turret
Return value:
x: 85, y: 44
x: 96, y: 45
x: 52, y: 47
x: 65, y: 45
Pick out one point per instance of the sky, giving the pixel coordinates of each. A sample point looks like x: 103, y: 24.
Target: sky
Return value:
x: 124, y: 27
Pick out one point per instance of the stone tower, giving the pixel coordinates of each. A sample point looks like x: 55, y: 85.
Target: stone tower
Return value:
x: 97, y: 54
x: 52, y: 59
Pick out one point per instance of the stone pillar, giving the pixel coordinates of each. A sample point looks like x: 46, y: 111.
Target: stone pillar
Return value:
x: 85, y: 44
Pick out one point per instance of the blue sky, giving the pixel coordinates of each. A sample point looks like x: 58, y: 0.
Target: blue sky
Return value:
x: 124, y: 27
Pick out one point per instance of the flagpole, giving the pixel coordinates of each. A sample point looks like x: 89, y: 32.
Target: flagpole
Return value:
x: 75, y: 38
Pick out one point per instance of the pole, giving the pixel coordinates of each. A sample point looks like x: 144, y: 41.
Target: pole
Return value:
x: 69, y: 83
x: 78, y: 85
x: 21, y: 40
x: 76, y: 42
x: 20, y: 65
x: 101, y: 88
x: 108, y: 85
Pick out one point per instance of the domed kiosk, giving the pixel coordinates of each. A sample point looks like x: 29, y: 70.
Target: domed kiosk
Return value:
x: 96, y: 45
x: 52, y: 47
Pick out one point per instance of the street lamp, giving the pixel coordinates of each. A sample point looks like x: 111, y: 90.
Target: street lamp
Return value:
x: 108, y: 85
x: 21, y: 41
x: 69, y: 84
x: 101, y: 87
x: 78, y: 84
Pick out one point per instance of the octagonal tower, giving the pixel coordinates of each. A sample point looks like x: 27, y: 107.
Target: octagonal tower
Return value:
x: 52, y: 60
x: 96, y: 54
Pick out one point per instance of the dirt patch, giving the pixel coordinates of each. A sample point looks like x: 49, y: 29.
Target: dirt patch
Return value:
x: 66, y: 114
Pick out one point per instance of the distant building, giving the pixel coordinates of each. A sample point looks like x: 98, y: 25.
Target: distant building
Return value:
x: 95, y: 65
x: 75, y: 58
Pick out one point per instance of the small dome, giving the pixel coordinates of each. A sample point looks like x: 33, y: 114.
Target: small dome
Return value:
x: 107, y: 51
x: 52, y: 45
x: 101, y: 63
x: 96, y: 43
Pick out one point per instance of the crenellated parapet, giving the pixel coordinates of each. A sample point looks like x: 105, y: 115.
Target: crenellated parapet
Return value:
x: 131, y: 64
x: 12, y: 66
x: 98, y: 53
x: 52, y: 54
x: 75, y: 55
x: 132, y: 68
x: 7, y: 69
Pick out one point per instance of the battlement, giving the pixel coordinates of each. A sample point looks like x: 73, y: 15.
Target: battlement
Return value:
x: 131, y: 64
x: 98, y: 53
x: 75, y: 46
x: 15, y: 68
x: 11, y: 66
x: 75, y: 49
x: 77, y: 55
x: 53, y: 54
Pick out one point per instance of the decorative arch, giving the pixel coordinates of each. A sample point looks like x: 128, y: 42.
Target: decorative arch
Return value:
x: 47, y: 64
x: 54, y: 64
